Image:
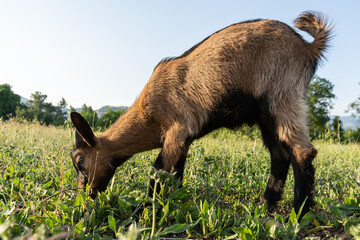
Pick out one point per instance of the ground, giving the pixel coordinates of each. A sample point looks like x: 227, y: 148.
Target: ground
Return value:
x: 226, y: 174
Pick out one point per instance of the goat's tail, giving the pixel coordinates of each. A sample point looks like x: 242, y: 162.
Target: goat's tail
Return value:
x: 316, y: 25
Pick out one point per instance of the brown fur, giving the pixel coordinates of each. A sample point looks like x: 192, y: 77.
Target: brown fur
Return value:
x: 251, y: 72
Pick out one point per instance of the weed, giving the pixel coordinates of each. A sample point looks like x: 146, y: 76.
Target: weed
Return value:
x: 225, y: 177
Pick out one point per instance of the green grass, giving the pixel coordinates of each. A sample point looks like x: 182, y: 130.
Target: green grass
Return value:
x: 225, y: 178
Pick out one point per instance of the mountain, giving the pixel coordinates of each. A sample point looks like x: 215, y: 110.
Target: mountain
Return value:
x: 100, y: 111
x: 103, y: 109
x: 23, y: 100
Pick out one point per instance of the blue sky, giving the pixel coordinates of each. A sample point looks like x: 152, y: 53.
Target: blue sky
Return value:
x: 103, y: 52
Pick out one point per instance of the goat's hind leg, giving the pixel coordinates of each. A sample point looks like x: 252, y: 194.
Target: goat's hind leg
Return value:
x: 304, y: 173
x: 294, y: 133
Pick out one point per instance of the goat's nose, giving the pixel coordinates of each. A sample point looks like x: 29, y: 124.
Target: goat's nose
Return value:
x: 93, y: 194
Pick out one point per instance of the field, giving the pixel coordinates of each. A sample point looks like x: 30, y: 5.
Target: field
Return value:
x: 226, y: 175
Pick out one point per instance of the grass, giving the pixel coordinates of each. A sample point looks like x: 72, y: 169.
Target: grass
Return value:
x: 225, y: 178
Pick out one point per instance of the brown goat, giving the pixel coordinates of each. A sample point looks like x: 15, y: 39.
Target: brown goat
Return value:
x: 254, y: 72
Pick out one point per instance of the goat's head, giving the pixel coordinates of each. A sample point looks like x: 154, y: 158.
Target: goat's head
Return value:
x: 94, y: 166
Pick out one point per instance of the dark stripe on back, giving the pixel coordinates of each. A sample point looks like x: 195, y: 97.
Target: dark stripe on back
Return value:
x: 187, y: 52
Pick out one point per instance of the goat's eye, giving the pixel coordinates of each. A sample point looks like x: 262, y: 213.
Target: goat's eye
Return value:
x: 80, y: 160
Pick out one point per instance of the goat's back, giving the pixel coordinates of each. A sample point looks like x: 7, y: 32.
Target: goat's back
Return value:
x: 255, y: 58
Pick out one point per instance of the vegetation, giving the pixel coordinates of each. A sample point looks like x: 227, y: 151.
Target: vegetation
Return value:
x: 38, y: 110
x: 104, y: 122
x: 225, y: 177
x: 109, y: 118
x: 320, y: 104
x: 354, y: 108
x: 8, y: 101
x: 90, y: 115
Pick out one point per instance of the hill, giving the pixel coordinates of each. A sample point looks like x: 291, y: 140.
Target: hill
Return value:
x: 100, y: 111
x: 23, y: 100
x: 103, y: 109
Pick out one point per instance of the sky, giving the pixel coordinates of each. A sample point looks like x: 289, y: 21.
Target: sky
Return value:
x: 103, y: 52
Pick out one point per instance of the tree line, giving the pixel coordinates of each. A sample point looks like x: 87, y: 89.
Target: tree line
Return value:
x: 96, y: 122
x: 320, y: 98
x: 39, y: 110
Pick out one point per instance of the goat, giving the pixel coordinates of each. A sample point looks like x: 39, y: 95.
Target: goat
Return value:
x: 253, y: 72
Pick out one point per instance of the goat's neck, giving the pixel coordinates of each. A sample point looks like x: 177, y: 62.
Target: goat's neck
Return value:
x: 130, y: 134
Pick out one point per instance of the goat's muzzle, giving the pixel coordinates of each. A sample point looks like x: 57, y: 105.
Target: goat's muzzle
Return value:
x: 93, y: 194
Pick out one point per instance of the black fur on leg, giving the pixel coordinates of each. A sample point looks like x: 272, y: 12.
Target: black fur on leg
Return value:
x: 280, y: 163
x: 280, y: 154
x: 180, y: 164
x: 178, y: 168
x: 158, y: 165
x: 304, y: 185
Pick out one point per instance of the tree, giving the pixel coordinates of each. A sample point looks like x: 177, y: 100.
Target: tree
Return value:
x: 109, y: 118
x: 59, y: 113
x: 41, y: 111
x: 8, y: 101
x: 48, y: 114
x: 37, y: 106
x: 23, y: 112
x: 354, y: 108
x: 337, y: 128
x: 90, y: 115
x: 72, y: 109
x: 320, y: 102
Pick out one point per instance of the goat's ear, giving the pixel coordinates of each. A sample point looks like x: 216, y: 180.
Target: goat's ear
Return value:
x: 83, y: 130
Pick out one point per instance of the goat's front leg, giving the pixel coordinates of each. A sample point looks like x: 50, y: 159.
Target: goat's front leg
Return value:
x: 172, y: 157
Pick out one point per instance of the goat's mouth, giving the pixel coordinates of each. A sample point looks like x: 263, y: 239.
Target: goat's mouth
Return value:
x: 82, y: 182
x: 93, y: 193
x: 96, y: 190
